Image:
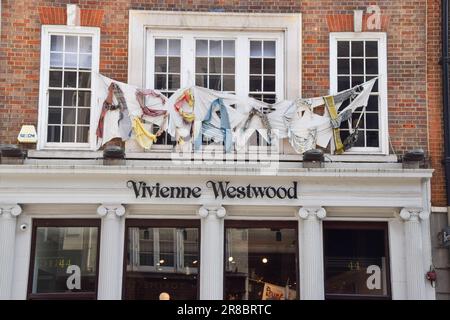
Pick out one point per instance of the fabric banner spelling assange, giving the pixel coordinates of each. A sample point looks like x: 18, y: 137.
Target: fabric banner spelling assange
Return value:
x: 192, y: 112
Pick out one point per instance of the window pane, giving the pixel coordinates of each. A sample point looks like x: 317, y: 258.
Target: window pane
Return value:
x: 56, y: 60
x: 162, y: 260
x: 83, y: 116
x: 68, y: 134
x: 85, y: 61
x: 371, y: 66
x: 84, y: 80
x: 70, y: 79
x: 215, y: 83
x: 357, y: 48
x: 269, y: 83
x: 255, y: 83
x: 372, y: 120
x: 69, y: 116
x: 70, y: 98
x: 255, y: 48
x: 174, y: 82
x: 343, y: 66
x: 260, y: 264
x: 201, y: 48
x: 160, y: 64
x: 161, y: 47
x: 160, y: 81
x: 373, y: 103
x: 54, y: 116
x: 228, y: 83
x: 228, y: 65
x: 357, y: 80
x: 215, y: 65
x: 357, y: 66
x: 201, y: 80
x: 343, y: 48
x: 56, y: 43
x: 371, y: 48
x: 373, y: 139
x: 53, y: 134
x: 215, y: 48
x: 174, y: 65
x: 84, y: 98
x: 71, y: 44
x: 55, y: 98
x: 55, y: 79
x: 60, y: 251
x: 343, y: 83
x: 174, y: 47
x: 70, y: 60
x: 201, y: 65
x: 82, y: 134
x: 86, y: 44
x: 228, y: 48
x: 255, y: 66
x: 269, y: 66
x: 355, y: 261
x: 269, y: 48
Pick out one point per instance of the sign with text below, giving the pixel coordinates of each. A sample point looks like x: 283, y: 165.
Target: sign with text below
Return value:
x: 27, y: 134
x: 220, y: 189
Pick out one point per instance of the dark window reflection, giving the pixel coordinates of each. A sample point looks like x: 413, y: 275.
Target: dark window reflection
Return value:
x: 355, y: 261
x: 261, y: 264
x: 162, y: 261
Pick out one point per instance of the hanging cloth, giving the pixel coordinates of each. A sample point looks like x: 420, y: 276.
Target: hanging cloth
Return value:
x: 107, y: 106
x: 140, y: 96
x: 331, y: 107
x: 186, y: 97
x: 124, y: 122
x: 264, y: 120
x: 217, y: 134
x: 144, y: 138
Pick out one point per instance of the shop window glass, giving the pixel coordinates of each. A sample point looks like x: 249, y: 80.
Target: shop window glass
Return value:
x: 261, y: 263
x: 356, y: 261
x: 65, y: 260
x: 162, y: 260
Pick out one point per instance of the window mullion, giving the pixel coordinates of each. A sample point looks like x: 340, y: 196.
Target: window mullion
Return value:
x: 187, y: 61
x: 242, y: 72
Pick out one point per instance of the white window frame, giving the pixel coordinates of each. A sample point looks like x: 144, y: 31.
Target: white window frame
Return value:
x: 382, y: 84
x: 221, y: 25
x: 47, y: 31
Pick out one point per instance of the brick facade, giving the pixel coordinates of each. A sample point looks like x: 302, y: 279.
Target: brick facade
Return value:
x: 414, y: 99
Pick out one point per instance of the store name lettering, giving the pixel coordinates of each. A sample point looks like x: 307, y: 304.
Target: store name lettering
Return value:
x: 220, y: 189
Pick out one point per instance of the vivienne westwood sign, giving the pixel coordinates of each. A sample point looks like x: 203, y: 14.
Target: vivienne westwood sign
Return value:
x: 220, y: 189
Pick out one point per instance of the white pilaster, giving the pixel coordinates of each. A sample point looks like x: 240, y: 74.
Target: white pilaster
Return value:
x: 415, y: 271
x: 109, y: 280
x: 211, y: 252
x: 311, y: 267
x: 8, y: 221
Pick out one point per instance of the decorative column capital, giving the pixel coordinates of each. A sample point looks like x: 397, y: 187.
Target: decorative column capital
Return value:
x: 12, y: 209
x: 312, y: 213
x: 219, y: 211
x: 414, y: 214
x: 113, y: 209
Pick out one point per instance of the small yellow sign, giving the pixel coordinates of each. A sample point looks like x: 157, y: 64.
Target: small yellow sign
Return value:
x: 27, y: 134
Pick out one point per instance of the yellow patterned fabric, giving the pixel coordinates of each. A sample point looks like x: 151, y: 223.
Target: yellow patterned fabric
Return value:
x: 331, y: 107
x: 143, y: 137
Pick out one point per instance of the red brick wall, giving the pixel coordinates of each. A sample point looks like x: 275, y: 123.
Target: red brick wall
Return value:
x: 404, y: 21
x: 434, y: 97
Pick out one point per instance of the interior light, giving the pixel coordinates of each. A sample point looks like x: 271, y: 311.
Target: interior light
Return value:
x: 264, y: 260
x: 230, y: 259
x: 194, y: 262
x: 161, y: 261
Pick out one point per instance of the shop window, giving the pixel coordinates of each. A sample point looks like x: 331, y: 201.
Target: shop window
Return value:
x: 356, y: 58
x: 69, y: 56
x: 356, y: 260
x: 64, y: 259
x: 162, y: 258
x: 261, y: 261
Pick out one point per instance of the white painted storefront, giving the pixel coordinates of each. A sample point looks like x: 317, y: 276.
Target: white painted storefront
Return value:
x: 373, y: 192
